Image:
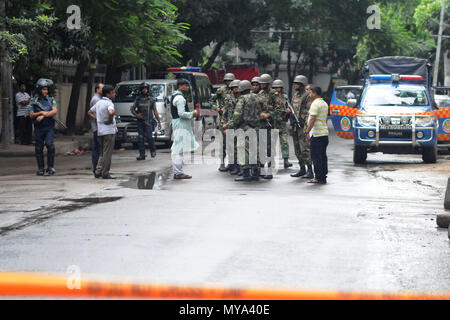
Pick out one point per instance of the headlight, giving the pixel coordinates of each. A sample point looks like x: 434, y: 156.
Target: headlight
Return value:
x: 367, y: 121
x: 424, y: 121
x: 118, y: 119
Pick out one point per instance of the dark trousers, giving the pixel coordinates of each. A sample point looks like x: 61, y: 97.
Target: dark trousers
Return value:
x: 25, y: 130
x: 45, y: 136
x: 96, y: 150
x: 104, y: 163
x: 319, y: 157
x: 145, y: 132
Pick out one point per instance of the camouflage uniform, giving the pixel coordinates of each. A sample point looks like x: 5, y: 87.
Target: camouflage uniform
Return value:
x: 247, y: 116
x: 217, y: 102
x: 264, y: 123
x: 280, y: 119
x: 229, y: 107
x: 301, y: 104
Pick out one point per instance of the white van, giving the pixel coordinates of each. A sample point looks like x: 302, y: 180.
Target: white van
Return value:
x: 126, y: 93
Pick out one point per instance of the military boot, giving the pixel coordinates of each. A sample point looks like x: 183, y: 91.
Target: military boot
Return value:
x: 235, y: 171
x: 310, y: 173
x: 40, y: 163
x: 256, y: 173
x: 245, y: 177
x: 301, y: 173
x: 269, y: 176
x: 287, y: 164
x: 222, y: 168
x: 51, y: 161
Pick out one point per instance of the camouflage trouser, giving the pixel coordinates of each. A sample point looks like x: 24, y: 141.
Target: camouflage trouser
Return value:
x: 224, y: 145
x: 302, y: 149
x: 284, y: 142
x: 247, y: 161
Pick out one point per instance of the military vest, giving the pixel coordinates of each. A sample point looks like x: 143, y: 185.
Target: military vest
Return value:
x: 174, y: 109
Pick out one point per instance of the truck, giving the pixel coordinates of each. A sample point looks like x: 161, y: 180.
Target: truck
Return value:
x: 393, y: 112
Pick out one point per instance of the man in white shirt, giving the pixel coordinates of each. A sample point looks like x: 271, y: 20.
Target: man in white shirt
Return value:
x: 317, y: 132
x: 96, y: 147
x: 103, y: 111
x: 25, y: 124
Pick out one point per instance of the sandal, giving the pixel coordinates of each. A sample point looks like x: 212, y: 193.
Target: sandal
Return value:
x: 315, y: 181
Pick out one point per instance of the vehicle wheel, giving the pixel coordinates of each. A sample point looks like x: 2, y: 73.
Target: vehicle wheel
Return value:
x: 429, y: 155
x: 168, y: 144
x: 117, y: 145
x: 359, y: 155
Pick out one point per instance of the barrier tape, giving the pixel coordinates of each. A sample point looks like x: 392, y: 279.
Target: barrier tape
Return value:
x: 38, y: 285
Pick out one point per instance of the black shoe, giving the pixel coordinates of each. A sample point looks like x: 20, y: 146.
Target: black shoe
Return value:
x: 299, y: 174
x: 256, y: 173
x: 268, y: 177
x: 287, y: 164
x: 97, y: 176
x: 310, y: 173
x: 51, y: 171
x: 140, y: 158
x: 40, y: 172
x: 222, y: 168
x: 153, y: 154
x: 245, y: 177
x: 235, y: 170
x: 109, y: 177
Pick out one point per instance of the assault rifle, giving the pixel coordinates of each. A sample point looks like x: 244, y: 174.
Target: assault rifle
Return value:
x: 293, y: 115
x: 41, y: 107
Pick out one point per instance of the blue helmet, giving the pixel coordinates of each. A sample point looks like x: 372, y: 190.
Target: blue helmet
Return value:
x: 42, y: 83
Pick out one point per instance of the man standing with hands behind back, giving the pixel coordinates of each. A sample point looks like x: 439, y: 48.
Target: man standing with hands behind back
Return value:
x: 103, y: 111
x: 96, y: 147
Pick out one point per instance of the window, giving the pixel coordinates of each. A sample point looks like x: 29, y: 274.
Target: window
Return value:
x: 396, y: 96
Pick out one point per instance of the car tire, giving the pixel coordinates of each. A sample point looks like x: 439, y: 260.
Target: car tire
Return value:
x: 429, y: 155
x: 359, y: 155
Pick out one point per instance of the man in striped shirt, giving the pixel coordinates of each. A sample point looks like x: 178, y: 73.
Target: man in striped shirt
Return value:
x: 317, y: 133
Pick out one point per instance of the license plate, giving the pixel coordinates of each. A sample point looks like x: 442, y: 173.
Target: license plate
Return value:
x: 395, y: 127
x: 395, y: 121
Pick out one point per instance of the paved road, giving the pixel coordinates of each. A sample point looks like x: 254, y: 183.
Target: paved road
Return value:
x: 372, y: 228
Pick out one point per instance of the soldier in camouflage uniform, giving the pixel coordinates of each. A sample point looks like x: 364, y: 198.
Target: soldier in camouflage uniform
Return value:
x: 228, y: 111
x: 280, y: 116
x: 247, y: 116
x: 256, y: 86
x: 301, y: 104
x: 217, y: 104
x: 265, y: 95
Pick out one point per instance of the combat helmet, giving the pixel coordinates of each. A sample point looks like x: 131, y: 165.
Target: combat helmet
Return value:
x: 245, y: 85
x: 256, y: 80
x: 278, y: 84
x: 301, y: 79
x: 229, y: 77
x: 265, y: 79
x: 144, y: 85
x: 235, y: 84
x: 43, y: 83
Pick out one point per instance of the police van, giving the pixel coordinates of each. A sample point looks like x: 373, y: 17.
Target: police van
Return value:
x: 393, y: 112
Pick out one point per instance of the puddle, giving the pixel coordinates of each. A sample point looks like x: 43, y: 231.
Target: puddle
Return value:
x: 93, y: 200
x: 150, y: 181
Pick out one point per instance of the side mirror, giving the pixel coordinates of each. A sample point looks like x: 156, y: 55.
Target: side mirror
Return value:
x: 435, y: 106
x: 351, y: 103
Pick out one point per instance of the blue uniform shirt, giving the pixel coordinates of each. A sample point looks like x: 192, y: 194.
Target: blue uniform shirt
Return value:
x: 47, y: 103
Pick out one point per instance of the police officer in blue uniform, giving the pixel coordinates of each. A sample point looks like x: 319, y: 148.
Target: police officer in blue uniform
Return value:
x: 145, y: 111
x: 42, y: 110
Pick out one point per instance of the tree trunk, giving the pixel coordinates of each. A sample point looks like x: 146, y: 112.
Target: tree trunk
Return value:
x: 447, y: 68
x: 75, y: 95
x: 113, y: 75
x: 213, y: 56
x: 89, y: 94
x: 6, y: 89
x: 311, y: 68
x: 277, y: 64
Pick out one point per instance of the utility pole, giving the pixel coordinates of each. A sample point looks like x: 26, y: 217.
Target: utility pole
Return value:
x: 6, y: 82
x: 438, y: 52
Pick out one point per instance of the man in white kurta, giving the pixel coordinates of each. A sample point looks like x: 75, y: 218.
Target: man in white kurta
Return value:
x: 183, y: 136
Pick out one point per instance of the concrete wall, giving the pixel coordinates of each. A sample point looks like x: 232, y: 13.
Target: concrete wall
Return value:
x: 62, y: 97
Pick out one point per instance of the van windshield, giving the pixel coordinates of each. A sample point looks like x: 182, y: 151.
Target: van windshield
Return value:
x: 395, y: 96
x: 128, y: 92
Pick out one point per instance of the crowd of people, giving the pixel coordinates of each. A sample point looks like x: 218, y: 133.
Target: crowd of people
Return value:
x: 260, y: 105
